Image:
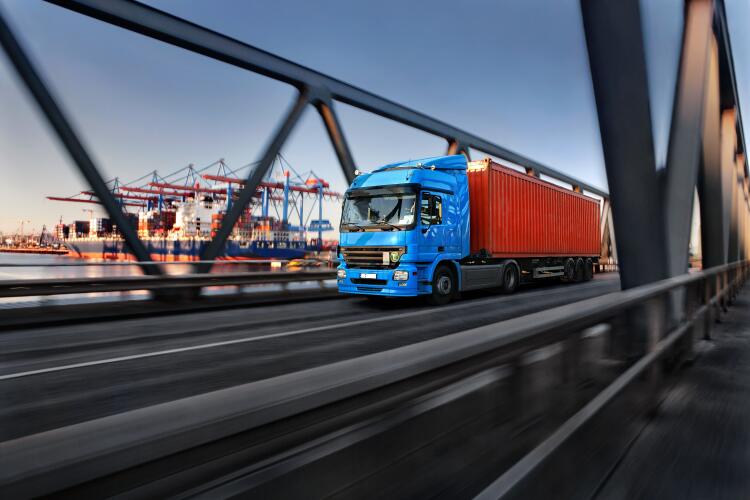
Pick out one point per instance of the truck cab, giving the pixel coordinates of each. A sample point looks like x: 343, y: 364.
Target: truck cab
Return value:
x: 404, y: 229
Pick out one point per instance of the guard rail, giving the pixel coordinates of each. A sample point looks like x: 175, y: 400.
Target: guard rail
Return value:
x: 502, y: 397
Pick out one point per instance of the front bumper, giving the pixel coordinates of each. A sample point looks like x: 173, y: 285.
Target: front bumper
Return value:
x: 382, y: 284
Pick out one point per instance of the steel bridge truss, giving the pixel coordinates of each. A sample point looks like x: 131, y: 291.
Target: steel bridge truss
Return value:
x: 314, y: 89
x: 652, y: 207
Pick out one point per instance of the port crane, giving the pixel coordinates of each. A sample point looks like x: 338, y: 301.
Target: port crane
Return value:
x: 280, y: 196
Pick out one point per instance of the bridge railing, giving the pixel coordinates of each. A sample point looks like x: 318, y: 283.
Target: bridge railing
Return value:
x: 506, y: 397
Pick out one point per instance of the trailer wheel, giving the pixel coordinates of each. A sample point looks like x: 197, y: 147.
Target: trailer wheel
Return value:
x: 569, y: 273
x: 588, y: 271
x: 510, y: 278
x: 580, y: 273
x: 443, y: 286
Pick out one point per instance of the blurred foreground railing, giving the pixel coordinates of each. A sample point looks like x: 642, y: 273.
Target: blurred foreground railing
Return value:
x: 495, y: 405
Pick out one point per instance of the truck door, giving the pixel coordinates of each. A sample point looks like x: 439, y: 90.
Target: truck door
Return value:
x: 432, y: 227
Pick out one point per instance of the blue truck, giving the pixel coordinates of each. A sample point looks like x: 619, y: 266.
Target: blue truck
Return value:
x: 406, y: 230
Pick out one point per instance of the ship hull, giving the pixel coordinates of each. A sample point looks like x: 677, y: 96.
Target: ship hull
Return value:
x: 188, y: 250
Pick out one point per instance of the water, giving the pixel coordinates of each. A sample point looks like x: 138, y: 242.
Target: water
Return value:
x: 31, y: 272
x: 13, y: 273
x: 34, y: 266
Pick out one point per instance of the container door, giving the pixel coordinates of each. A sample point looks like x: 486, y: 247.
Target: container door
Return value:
x: 432, y: 235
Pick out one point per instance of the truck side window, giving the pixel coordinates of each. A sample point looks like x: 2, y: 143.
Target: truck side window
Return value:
x: 431, y: 209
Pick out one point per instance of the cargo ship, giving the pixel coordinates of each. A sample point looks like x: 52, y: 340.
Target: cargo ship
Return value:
x: 176, y: 222
x: 113, y: 248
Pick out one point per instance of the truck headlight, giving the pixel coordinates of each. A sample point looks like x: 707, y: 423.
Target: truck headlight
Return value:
x: 400, y: 275
x: 341, y: 273
x: 395, y: 256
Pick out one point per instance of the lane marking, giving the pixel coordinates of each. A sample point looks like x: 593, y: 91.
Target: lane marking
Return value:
x: 420, y: 312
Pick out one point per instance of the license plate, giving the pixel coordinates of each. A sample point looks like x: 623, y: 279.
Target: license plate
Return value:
x: 368, y: 276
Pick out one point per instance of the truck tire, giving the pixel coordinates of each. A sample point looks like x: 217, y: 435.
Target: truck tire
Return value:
x: 443, y: 286
x: 569, y: 271
x: 510, y: 278
x: 588, y: 273
x: 580, y: 273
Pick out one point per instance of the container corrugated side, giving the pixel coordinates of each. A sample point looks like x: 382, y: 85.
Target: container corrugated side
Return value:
x: 518, y: 215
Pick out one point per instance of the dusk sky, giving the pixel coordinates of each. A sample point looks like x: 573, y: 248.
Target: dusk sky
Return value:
x: 514, y: 72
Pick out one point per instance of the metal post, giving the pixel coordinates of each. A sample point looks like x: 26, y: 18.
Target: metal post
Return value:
x: 285, y: 205
x: 264, y: 196
x: 301, y: 201
x: 255, y: 176
x: 618, y: 72
x: 73, y: 145
x: 320, y: 215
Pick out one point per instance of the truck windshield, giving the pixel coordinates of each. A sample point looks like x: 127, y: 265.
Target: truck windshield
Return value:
x: 384, y: 212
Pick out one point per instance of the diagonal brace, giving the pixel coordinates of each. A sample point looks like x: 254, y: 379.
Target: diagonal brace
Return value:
x: 69, y: 138
x: 256, y: 175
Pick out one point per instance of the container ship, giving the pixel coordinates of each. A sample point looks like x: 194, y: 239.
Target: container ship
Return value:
x: 176, y: 220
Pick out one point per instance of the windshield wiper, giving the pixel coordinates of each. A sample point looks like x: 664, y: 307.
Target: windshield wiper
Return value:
x: 388, y: 223
x: 350, y: 224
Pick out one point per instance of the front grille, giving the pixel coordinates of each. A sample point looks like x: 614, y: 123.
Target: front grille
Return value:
x: 367, y: 281
x: 370, y: 257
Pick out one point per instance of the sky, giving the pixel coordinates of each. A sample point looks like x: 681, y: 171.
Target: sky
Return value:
x: 513, y: 72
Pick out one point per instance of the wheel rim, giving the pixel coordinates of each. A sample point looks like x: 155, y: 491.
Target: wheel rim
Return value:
x: 444, y: 285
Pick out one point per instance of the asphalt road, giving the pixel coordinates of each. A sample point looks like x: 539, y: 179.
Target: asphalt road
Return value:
x: 52, y: 377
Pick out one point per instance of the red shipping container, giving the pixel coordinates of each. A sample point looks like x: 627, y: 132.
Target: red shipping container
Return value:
x: 518, y: 215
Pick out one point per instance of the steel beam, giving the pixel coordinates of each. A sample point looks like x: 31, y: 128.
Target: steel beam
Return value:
x: 729, y: 179
x: 618, y: 71
x: 683, y: 155
x: 173, y: 30
x: 255, y: 176
x: 734, y: 240
x: 730, y: 95
x: 455, y: 147
x: 69, y: 138
x: 710, y: 178
x: 324, y: 105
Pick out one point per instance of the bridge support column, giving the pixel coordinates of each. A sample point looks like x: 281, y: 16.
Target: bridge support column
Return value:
x: 618, y: 71
x: 698, y: 65
x: 727, y: 159
x: 698, y: 70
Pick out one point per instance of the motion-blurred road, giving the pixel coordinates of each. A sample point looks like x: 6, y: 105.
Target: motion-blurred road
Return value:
x: 52, y: 377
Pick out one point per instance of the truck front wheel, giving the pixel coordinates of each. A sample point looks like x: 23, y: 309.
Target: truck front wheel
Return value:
x: 443, y: 286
